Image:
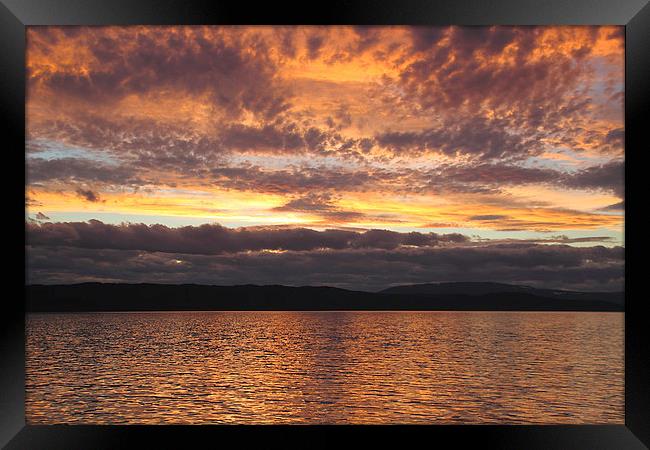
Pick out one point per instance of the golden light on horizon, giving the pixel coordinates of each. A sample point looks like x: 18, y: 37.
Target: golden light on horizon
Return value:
x: 371, y: 127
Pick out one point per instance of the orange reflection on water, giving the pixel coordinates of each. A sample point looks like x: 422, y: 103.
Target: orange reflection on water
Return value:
x: 325, y: 367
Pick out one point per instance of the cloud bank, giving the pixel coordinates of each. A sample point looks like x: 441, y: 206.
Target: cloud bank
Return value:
x: 371, y: 260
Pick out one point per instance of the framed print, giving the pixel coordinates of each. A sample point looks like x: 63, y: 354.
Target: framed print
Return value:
x: 387, y: 221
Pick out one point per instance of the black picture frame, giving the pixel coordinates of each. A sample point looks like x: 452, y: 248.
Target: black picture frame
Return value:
x: 15, y: 15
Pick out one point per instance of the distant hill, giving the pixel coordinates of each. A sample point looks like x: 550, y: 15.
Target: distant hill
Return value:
x: 184, y: 297
x: 486, y: 288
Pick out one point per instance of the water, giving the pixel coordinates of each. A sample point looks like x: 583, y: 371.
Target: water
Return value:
x: 325, y: 367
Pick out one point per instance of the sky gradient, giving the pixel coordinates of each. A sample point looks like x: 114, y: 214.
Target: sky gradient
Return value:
x: 360, y: 157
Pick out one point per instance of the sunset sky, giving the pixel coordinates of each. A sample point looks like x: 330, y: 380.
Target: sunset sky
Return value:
x: 358, y: 157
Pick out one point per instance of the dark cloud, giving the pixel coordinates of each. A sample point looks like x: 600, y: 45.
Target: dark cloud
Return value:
x: 488, y: 217
x: 527, y: 99
x: 469, y: 178
x: 221, y: 101
x: 310, y: 202
x: 88, y: 195
x: 464, y: 80
x: 620, y: 206
x: 615, y: 136
x: 479, y: 178
x: 287, y: 45
x: 41, y: 216
x: 236, y: 73
x: 216, y: 239
x: 557, y: 266
x: 424, y: 38
x: 499, y: 174
x: 606, y: 177
x: 480, y: 137
x: 145, y: 142
x: 321, y: 205
x: 149, y: 144
x: 288, y: 138
x: 485, y: 110
x: 31, y: 202
x: 314, y: 44
x: 558, y: 239
x: 388, y: 240
x: 306, y: 180
x: 488, y: 74
x: 487, y: 178
x: 77, y: 169
x: 467, y: 41
x: 567, y: 240
x: 243, y: 137
x: 293, y: 180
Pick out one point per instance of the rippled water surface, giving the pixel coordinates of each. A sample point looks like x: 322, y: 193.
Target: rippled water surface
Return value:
x: 325, y: 367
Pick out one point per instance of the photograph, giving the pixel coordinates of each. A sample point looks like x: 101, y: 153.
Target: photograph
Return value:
x: 325, y: 225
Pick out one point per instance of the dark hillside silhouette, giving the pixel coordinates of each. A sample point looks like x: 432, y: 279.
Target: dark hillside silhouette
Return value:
x: 185, y: 297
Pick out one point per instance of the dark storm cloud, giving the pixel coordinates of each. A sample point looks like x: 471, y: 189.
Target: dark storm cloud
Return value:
x: 559, y: 266
x: 216, y: 239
